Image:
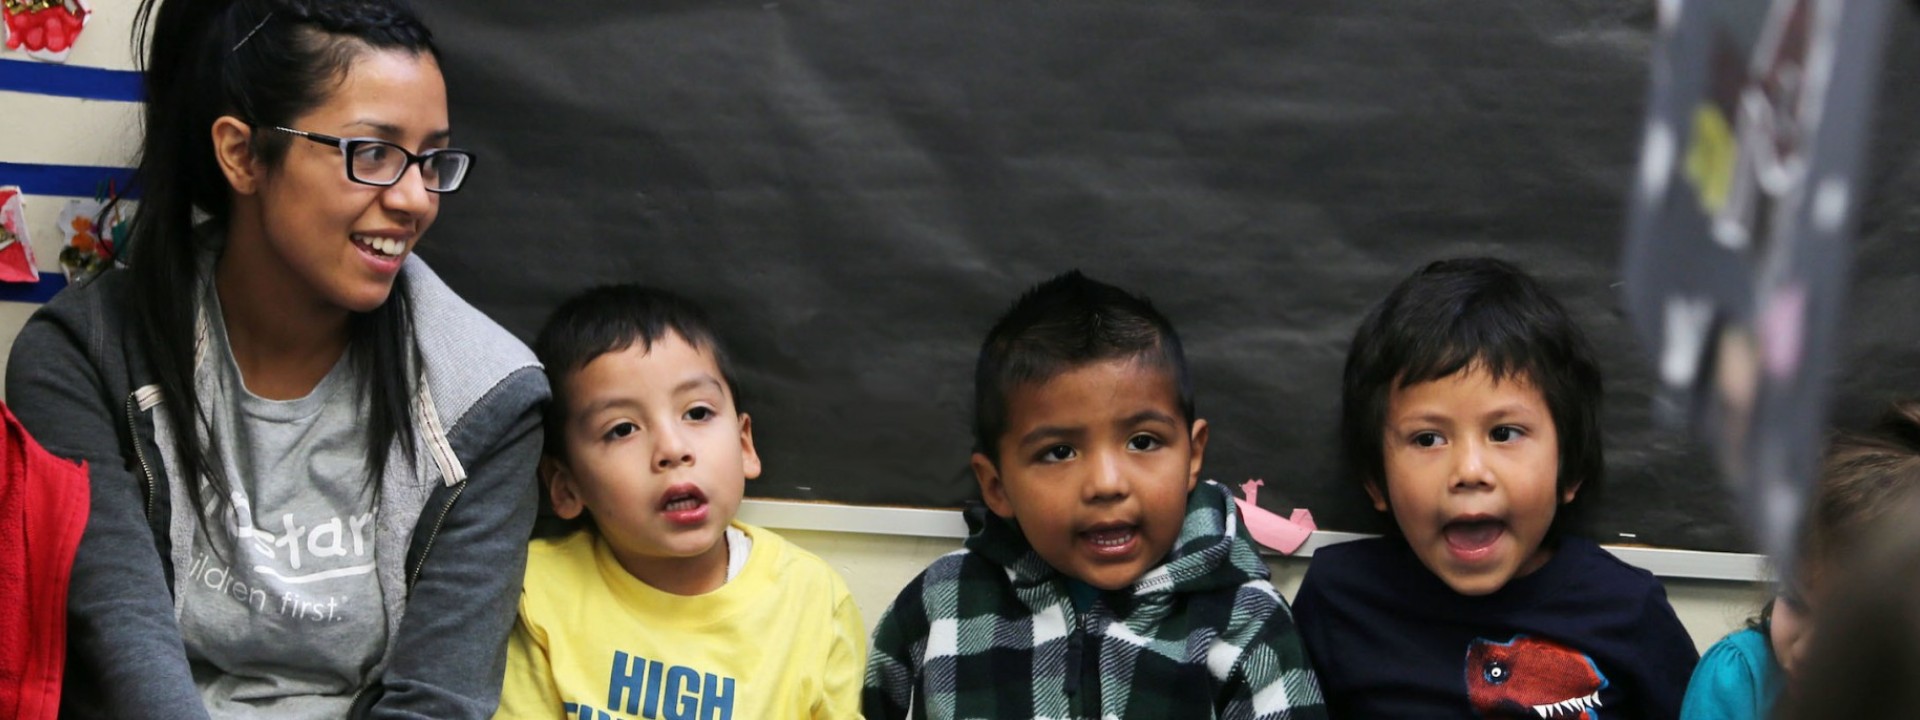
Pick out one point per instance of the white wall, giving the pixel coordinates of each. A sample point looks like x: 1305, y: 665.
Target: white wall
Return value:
x: 67, y: 131
x: 44, y: 129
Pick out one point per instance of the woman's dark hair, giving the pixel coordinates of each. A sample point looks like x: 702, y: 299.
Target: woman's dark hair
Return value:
x: 265, y: 62
x: 1453, y: 315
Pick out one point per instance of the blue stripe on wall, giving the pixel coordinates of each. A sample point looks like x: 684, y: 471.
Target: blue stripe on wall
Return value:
x: 50, y: 283
x: 72, y: 180
x: 41, y: 78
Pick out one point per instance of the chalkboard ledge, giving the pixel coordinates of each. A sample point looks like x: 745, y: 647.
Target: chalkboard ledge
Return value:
x: 921, y: 522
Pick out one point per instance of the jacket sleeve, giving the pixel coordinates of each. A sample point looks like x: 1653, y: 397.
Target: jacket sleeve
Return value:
x: 124, y: 653
x: 1271, y: 679
x: 451, y: 651
x: 892, y: 671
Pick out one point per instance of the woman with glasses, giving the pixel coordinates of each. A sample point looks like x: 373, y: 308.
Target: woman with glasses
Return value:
x: 310, y: 460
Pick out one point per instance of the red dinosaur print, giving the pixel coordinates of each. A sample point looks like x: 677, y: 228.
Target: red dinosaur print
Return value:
x: 1533, y: 678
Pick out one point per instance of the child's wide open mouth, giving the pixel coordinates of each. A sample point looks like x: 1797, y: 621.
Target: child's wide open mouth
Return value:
x: 1113, y: 538
x: 1473, y: 537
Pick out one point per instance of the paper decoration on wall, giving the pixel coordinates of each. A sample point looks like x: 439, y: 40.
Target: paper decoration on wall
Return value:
x: 45, y: 29
x: 1283, y: 535
x: 90, y: 238
x: 1737, y: 247
x: 16, y: 249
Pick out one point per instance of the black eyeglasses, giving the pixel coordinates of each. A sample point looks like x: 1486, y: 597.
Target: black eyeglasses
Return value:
x: 371, y: 161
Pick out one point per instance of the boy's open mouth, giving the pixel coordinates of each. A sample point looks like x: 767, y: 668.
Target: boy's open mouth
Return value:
x: 1473, y: 537
x: 682, y: 501
x: 1111, y: 538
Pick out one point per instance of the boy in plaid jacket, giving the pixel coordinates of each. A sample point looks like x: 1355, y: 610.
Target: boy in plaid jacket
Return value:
x: 1107, y: 581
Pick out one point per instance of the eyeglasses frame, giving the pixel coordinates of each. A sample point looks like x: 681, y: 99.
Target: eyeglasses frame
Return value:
x: 346, y: 146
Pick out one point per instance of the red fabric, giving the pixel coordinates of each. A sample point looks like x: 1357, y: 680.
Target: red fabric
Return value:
x: 15, y: 266
x: 43, y: 508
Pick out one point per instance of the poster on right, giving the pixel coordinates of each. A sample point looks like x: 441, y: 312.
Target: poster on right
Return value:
x: 1739, y: 226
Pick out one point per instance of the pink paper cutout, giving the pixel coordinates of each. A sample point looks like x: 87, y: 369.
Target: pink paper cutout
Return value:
x: 1283, y: 535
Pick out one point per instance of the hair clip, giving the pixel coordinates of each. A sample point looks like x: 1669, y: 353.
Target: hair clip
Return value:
x: 249, y: 35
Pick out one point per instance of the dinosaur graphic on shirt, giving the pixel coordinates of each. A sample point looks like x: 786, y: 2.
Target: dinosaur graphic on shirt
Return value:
x: 1533, y: 678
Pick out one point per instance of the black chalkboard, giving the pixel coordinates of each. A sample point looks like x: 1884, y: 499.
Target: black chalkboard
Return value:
x: 857, y: 187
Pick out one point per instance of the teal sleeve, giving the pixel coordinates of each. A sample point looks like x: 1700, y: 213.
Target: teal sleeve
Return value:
x: 1735, y: 680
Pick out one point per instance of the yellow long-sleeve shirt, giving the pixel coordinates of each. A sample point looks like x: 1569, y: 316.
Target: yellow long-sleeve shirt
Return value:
x: 782, y: 639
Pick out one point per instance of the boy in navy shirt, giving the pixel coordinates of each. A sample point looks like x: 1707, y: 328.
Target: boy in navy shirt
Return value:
x: 1470, y: 413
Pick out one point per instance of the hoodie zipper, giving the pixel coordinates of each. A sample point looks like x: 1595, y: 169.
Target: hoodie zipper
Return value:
x: 1076, y: 645
x: 354, y: 707
x: 424, y: 552
x: 1078, y: 695
x: 146, y: 470
x: 428, y: 549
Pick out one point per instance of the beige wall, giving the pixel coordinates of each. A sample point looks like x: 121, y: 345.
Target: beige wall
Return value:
x: 67, y: 131
x: 71, y: 131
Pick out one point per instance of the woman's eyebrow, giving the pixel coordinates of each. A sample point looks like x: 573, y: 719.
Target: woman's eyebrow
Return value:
x: 390, y: 130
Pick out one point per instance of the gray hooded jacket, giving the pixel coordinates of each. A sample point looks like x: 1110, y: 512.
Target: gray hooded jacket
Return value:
x: 450, y: 542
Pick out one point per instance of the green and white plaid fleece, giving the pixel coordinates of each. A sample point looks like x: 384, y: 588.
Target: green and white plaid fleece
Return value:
x: 989, y: 631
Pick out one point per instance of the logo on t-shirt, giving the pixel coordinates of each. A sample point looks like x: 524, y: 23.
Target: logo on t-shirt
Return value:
x: 650, y: 689
x: 1530, y: 677
x: 295, y: 574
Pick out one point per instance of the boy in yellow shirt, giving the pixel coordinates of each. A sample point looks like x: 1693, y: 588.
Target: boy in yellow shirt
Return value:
x: 653, y: 602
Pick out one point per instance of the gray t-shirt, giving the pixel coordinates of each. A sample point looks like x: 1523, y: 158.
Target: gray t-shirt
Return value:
x: 287, y: 619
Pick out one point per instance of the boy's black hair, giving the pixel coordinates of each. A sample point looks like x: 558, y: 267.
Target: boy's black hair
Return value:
x: 611, y: 318
x: 1455, y: 314
x: 605, y: 319
x: 1061, y: 324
